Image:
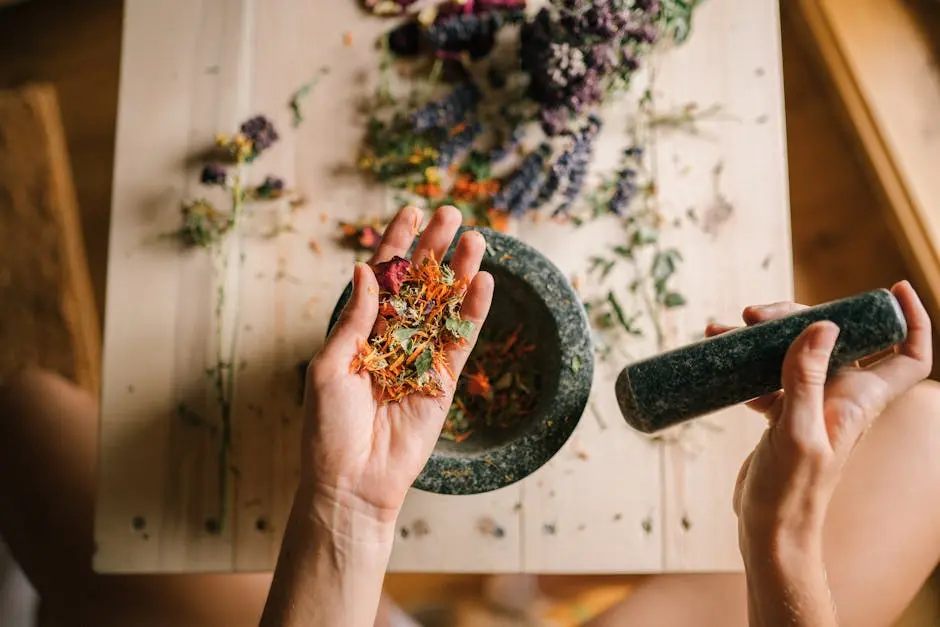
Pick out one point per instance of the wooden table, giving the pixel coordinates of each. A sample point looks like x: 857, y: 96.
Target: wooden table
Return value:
x: 610, y: 500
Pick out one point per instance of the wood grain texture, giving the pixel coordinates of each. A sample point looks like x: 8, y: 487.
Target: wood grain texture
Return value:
x: 880, y: 64
x: 609, y: 501
x: 47, y: 306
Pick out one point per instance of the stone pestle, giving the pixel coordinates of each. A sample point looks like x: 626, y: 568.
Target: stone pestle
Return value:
x: 679, y: 385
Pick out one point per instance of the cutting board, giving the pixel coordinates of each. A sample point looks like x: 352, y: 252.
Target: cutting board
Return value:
x: 609, y: 501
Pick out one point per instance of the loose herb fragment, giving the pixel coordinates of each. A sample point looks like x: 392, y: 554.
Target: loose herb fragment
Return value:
x: 498, y: 388
x: 420, y: 306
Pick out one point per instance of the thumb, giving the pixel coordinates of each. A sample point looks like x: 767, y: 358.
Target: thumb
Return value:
x: 805, y: 369
x: 359, y: 314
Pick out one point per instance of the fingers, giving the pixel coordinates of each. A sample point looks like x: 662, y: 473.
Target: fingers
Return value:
x: 476, y: 306
x: 468, y: 254
x: 769, y: 404
x: 715, y: 328
x: 359, y: 314
x: 439, y: 234
x: 914, y: 357
x: 761, y: 313
x: 805, y: 369
x: 398, y: 236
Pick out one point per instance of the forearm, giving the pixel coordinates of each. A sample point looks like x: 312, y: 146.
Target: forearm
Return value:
x: 331, y: 566
x: 787, y: 585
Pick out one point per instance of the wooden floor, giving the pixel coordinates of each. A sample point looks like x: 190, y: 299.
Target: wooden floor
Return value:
x: 841, y: 244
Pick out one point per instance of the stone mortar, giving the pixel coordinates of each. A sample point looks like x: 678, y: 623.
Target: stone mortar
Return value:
x: 532, y: 292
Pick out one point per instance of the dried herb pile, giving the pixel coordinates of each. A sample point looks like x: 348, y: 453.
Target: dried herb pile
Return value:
x: 419, y: 311
x: 498, y: 388
x: 568, y: 59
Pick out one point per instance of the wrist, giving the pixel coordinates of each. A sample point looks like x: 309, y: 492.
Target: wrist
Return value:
x: 345, y: 518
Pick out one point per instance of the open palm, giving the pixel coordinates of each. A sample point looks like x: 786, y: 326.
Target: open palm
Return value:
x: 357, y: 450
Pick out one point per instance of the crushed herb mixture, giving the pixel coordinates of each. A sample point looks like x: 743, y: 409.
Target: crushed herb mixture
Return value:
x: 419, y: 312
x: 498, y: 387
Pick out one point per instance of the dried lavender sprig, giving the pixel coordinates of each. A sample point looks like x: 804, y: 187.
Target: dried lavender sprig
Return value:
x: 460, y: 32
x: 624, y: 192
x: 448, y: 111
x: 502, y: 151
x: 524, y: 182
x: 458, y: 144
x: 581, y: 153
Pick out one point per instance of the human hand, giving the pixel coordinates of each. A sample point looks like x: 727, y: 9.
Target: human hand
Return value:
x: 359, y: 454
x: 784, y: 487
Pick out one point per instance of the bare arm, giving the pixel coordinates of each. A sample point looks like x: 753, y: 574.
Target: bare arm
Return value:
x: 331, y: 566
x: 787, y: 584
x: 359, y: 456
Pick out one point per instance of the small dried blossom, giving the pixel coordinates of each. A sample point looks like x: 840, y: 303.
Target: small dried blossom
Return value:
x: 260, y: 130
x: 213, y: 174
x: 271, y: 188
x: 202, y: 225
x: 391, y: 274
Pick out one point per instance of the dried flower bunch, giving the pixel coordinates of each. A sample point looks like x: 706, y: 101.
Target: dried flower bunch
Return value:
x: 570, y: 56
x: 203, y: 224
x: 419, y: 311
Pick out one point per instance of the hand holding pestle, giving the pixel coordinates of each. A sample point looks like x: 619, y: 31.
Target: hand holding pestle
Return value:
x: 737, y: 366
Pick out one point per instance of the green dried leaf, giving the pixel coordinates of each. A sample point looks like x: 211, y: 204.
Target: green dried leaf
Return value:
x: 460, y: 328
x: 624, y: 251
x: 404, y: 336
x: 618, y: 310
x: 645, y: 235
x: 424, y: 361
x: 664, y: 265
x: 576, y: 364
x: 673, y: 299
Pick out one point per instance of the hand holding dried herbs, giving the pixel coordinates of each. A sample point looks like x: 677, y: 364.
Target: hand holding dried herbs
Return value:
x: 419, y: 311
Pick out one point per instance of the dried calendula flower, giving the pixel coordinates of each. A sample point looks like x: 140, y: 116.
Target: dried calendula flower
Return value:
x: 498, y: 388
x: 420, y: 306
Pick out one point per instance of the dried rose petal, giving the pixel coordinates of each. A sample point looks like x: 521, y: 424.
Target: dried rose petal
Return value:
x: 392, y: 274
x: 369, y: 238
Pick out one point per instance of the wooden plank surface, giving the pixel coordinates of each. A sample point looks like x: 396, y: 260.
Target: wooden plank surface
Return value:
x: 609, y: 501
x: 47, y: 306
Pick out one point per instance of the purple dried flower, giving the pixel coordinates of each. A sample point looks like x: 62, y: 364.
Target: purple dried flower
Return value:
x: 213, y: 174
x: 473, y: 32
x: 623, y: 192
x: 458, y: 144
x: 405, y: 40
x: 260, y: 130
x: 645, y: 33
x: 271, y: 187
x: 520, y: 192
x: 448, y: 111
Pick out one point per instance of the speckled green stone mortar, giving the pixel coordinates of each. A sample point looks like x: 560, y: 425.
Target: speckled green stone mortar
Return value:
x: 531, y: 292
x: 677, y: 386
